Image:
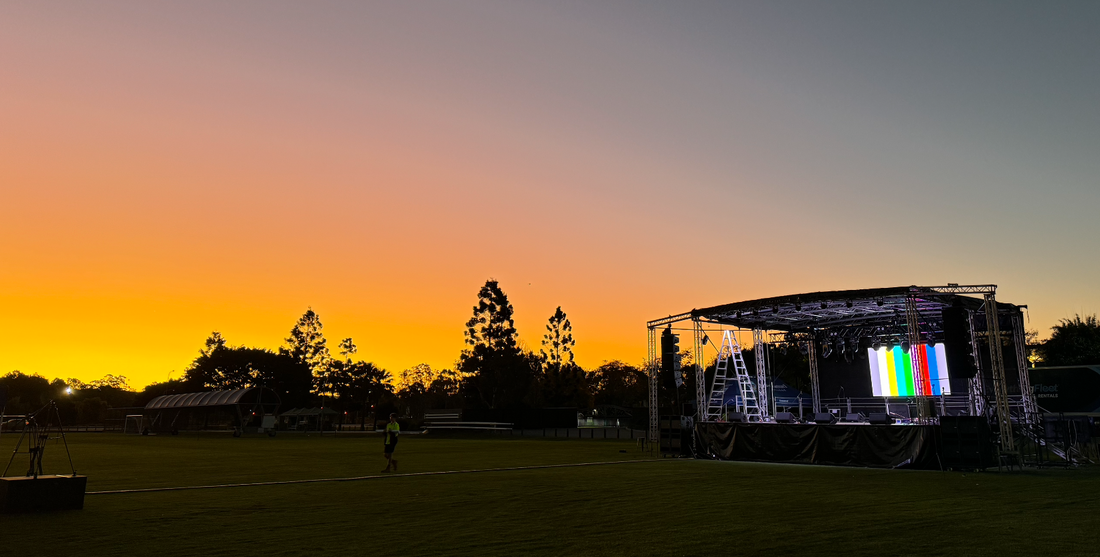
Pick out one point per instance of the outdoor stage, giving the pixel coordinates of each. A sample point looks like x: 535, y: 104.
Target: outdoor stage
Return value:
x: 877, y: 446
x: 916, y: 355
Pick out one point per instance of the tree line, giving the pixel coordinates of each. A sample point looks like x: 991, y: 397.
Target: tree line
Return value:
x: 494, y: 371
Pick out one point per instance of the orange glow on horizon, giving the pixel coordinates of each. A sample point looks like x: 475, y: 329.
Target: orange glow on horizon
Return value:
x: 170, y: 170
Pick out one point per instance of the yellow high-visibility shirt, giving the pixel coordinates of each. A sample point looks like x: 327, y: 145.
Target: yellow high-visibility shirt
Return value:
x: 392, y: 429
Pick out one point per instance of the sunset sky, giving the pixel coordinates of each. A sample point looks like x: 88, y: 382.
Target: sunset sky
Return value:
x: 171, y: 169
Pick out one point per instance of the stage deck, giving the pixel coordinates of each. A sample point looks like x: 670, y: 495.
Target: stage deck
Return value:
x: 877, y: 446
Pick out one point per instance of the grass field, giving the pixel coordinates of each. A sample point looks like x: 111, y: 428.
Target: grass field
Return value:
x: 654, y: 507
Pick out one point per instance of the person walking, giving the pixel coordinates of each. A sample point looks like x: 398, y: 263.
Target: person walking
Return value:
x: 392, y: 431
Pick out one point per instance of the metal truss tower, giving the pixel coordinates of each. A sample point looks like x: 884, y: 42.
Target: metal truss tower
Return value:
x: 1000, y: 387
x: 758, y: 348
x: 1027, y: 396
x: 977, y: 383
x: 912, y: 319
x: 700, y: 373
x: 815, y: 385
x: 654, y: 367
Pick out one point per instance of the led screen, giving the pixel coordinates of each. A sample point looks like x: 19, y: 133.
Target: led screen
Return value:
x: 892, y: 370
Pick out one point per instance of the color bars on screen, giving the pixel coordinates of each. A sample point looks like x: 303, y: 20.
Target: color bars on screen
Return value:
x: 892, y: 370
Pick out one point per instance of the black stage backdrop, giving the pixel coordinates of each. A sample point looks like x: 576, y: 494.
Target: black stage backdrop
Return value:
x: 838, y: 445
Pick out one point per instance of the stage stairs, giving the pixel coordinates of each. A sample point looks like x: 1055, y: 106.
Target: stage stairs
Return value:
x: 1065, y: 451
x: 730, y: 351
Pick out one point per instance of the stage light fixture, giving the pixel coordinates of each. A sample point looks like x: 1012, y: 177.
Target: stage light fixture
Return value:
x: 905, y: 346
x: 804, y: 347
x: 875, y: 345
x: 755, y: 312
x: 847, y: 303
x: 706, y: 339
x: 826, y: 349
x: 824, y: 305
x: 775, y: 309
x: 797, y: 306
x: 878, y: 302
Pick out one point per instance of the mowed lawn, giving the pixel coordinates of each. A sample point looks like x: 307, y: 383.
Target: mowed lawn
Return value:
x: 653, y: 507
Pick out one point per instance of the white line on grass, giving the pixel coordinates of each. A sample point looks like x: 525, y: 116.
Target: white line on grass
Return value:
x: 374, y: 477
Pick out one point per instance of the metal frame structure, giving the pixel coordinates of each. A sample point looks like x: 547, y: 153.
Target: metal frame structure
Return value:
x: 898, y: 314
x: 1000, y: 383
x: 759, y: 349
x: 976, y: 390
x: 38, y: 427
x: 237, y: 402
x: 815, y: 383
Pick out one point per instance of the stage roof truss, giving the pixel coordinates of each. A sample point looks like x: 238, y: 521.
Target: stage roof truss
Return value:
x: 882, y: 307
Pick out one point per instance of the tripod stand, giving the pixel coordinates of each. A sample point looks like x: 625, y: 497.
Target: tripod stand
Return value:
x: 38, y: 434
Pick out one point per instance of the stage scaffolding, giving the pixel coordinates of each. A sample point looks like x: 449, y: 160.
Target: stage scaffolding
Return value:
x: 900, y: 314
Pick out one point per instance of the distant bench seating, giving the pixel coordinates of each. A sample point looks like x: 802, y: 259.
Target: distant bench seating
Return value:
x: 452, y: 419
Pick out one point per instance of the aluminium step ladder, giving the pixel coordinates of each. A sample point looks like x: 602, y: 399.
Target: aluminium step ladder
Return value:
x: 730, y: 351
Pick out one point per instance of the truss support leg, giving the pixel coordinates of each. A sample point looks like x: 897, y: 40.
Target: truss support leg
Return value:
x: 654, y: 425
x: 1000, y: 388
x: 1027, y: 396
x: 815, y: 385
x: 700, y: 373
x: 920, y: 389
x: 758, y: 348
x: 977, y: 398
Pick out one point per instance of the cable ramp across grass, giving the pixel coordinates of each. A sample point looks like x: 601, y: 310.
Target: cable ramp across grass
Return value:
x: 373, y: 477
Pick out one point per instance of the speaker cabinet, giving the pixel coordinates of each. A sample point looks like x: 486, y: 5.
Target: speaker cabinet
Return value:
x: 880, y: 418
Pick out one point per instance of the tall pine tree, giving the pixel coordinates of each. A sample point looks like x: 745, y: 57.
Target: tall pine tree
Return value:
x: 307, y: 345
x: 563, y: 382
x: 497, y: 373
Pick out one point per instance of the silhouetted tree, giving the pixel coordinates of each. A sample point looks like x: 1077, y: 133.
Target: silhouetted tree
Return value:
x: 348, y: 349
x: 562, y: 382
x: 212, y: 343
x: 220, y: 367
x: 557, y: 342
x: 307, y: 344
x: 619, y: 384
x: 111, y: 381
x: 497, y: 373
x: 1074, y: 342
x: 413, y: 384
x: 368, y: 386
x: 418, y: 377
x: 26, y: 393
x: 444, y: 391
